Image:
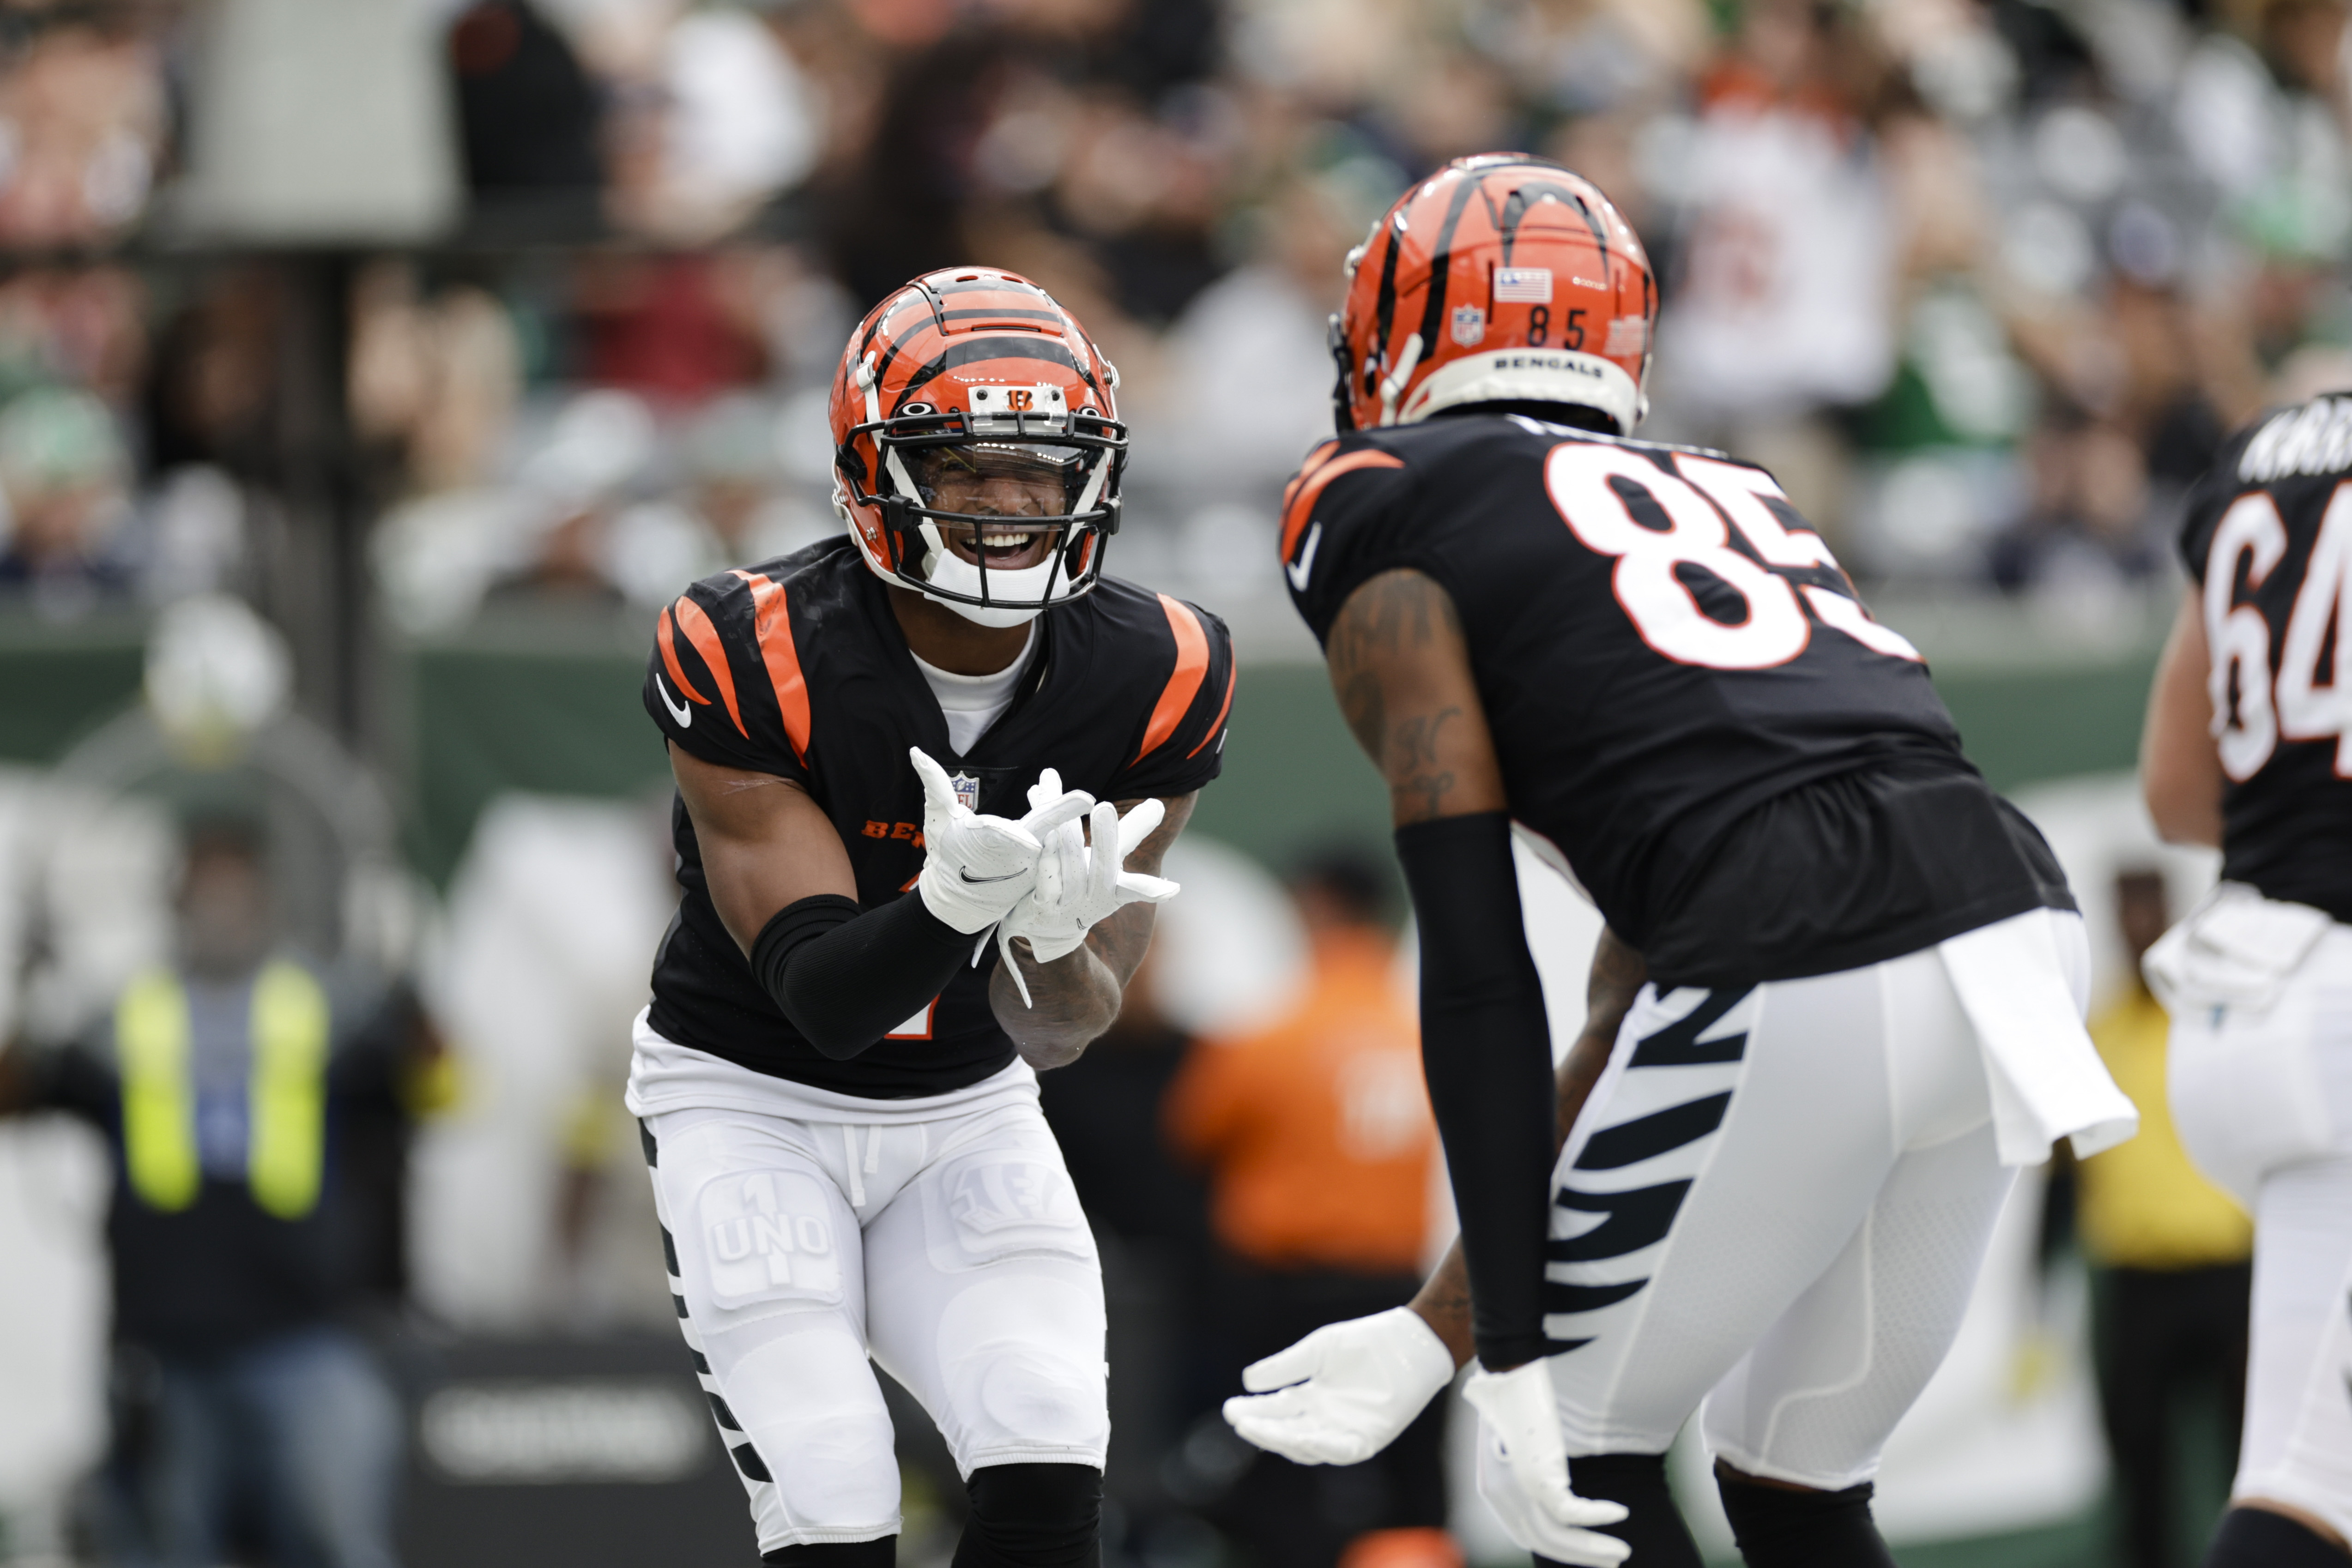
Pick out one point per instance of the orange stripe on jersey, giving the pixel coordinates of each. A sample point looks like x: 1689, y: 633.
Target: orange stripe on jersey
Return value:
x: 669, y: 662
x: 1184, y: 684
x: 1298, y: 500
x: 705, y: 638
x: 1314, y: 459
x: 771, y: 622
x: 1223, y: 708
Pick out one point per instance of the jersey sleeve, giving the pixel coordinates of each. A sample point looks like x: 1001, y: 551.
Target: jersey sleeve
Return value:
x: 724, y: 679
x: 1182, y: 742
x: 1339, y: 526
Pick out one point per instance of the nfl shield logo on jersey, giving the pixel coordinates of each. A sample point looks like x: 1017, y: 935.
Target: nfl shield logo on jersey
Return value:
x: 1469, y: 325
x: 967, y: 789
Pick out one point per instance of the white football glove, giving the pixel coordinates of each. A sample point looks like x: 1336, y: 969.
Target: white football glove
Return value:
x: 1079, y: 885
x: 1343, y: 1393
x: 1523, y: 1469
x: 976, y: 868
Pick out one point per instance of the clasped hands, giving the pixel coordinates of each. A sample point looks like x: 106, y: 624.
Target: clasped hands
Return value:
x: 1038, y: 878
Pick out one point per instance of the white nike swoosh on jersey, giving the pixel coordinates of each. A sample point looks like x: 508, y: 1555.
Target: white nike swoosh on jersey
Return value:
x: 678, y: 711
x: 1304, y: 567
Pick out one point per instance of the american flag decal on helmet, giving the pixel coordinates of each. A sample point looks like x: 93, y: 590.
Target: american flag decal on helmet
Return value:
x: 1523, y: 284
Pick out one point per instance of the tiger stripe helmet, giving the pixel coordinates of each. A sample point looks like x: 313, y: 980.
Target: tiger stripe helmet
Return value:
x: 978, y: 370
x: 1500, y: 278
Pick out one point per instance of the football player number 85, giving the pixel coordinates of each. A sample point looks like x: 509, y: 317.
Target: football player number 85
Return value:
x: 2295, y: 704
x: 1660, y: 603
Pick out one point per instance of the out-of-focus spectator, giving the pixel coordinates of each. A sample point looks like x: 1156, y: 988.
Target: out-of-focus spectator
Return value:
x: 62, y: 470
x: 718, y: 118
x: 529, y: 116
x: 2174, y: 1251
x: 81, y: 126
x: 732, y: 509
x: 1784, y: 299
x: 1316, y: 1137
x: 2087, y: 539
x: 1246, y: 385
x: 677, y: 330
x: 548, y: 537
x: 74, y: 327
x: 434, y: 378
x: 215, y: 380
x: 234, y: 1086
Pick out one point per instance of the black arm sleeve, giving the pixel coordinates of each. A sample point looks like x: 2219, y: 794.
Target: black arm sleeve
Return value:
x: 845, y: 980
x: 1486, y: 1050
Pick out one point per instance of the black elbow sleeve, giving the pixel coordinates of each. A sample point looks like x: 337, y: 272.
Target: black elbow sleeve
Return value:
x: 1486, y: 1050
x: 844, y: 979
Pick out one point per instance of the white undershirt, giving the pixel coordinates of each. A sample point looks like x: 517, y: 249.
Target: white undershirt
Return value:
x: 972, y: 703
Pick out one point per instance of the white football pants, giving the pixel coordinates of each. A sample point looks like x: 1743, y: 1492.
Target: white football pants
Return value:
x: 944, y: 1241
x: 2264, y: 1103
x: 1776, y: 1200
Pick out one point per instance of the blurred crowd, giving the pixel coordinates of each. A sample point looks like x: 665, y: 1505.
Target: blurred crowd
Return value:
x: 1984, y: 281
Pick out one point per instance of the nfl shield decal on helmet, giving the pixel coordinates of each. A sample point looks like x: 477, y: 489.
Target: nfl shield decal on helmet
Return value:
x: 967, y: 789
x: 1469, y: 325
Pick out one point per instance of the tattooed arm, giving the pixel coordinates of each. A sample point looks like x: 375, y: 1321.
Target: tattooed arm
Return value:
x: 1618, y: 974
x: 1077, y: 997
x: 1401, y: 670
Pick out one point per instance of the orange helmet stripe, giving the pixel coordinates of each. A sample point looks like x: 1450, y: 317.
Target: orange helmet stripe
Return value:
x: 1184, y: 683
x: 771, y: 625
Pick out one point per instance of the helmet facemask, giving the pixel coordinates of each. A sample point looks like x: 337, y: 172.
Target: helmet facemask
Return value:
x: 999, y: 515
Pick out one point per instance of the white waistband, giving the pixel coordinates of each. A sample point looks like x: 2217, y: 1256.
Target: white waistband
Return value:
x: 667, y: 1076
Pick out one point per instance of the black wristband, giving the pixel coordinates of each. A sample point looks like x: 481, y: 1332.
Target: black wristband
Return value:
x: 844, y: 979
x: 1486, y: 1050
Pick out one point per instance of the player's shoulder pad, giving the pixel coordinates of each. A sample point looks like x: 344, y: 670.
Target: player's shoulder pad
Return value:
x: 725, y: 679
x: 1183, y: 693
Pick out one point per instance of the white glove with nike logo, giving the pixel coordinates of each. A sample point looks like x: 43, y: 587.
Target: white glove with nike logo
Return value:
x: 1523, y: 1471
x: 976, y: 868
x: 1079, y: 885
x: 1343, y: 1393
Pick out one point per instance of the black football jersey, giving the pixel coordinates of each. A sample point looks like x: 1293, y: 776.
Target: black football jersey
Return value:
x: 797, y: 667
x: 1751, y: 778
x: 2268, y: 538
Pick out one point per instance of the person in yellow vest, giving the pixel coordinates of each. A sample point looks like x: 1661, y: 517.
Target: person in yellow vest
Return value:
x: 2175, y: 1253
x: 225, y: 1080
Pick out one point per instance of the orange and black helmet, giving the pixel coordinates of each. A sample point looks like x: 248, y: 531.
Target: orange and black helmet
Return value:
x: 962, y: 379
x: 1500, y: 278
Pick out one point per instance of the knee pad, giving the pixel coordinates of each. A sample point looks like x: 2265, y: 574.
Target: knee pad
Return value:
x: 880, y: 1553
x: 2257, y: 1538
x: 1781, y: 1527
x: 1033, y: 1516
x: 1652, y: 1526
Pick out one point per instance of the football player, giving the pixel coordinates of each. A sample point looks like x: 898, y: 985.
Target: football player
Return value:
x: 1865, y: 973
x: 885, y: 745
x: 2248, y: 747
